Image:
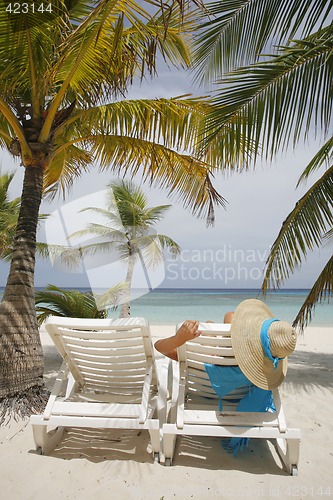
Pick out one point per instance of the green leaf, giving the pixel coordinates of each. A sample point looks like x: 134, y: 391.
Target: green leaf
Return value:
x: 74, y: 304
x: 237, y: 31
x: 302, y: 230
x: 322, y: 290
x: 265, y: 103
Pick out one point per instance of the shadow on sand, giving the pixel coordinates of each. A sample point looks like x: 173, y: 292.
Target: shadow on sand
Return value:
x: 307, y: 371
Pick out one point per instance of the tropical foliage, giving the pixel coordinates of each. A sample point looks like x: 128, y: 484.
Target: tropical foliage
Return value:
x: 9, y: 211
x: 129, y: 230
x: 272, y: 63
x: 57, y: 301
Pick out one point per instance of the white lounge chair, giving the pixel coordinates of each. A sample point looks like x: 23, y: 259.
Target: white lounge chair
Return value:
x: 108, y: 379
x: 194, y: 408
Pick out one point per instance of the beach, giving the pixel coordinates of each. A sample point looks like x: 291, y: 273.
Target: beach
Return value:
x: 118, y: 464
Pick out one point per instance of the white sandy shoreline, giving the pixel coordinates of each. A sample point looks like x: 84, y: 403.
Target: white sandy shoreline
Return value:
x: 118, y: 465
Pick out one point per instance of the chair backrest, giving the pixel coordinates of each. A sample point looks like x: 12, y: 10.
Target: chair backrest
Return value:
x: 212, y: 346
x: 104, y: 355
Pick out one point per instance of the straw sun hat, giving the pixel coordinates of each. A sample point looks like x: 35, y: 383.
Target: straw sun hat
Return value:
x: 258, y: 340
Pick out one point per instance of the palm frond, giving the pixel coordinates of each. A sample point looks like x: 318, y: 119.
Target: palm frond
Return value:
x: 328, y: 237
x: 149, y: 251
x: 129, y: 202
x: 6, y: 132
x: 48, y: 251
x: 322, y: 157
x: 237, y: 31
x: 68, y: 256
x: 8, y: 215
x: 118, y: 40
x: 151, y: 247
x: 322, y: 290
x: 302, y: 230
x: 101, y: 231
x: 5, y: 180
x: 65, y: 168
x: 129, y: 205
x: 112, y: 218
x: 272, y: 102
x: 25, y: 49
x: 179, y: 124
x: 179, y: 174
x: 68, y: 303
x: 106, y: 213
x: 168, y: 243
x: 154, y: 214
x: 9, y: 211
x: 176, y: 122
x: 124, y: 135
x: 112, y: 297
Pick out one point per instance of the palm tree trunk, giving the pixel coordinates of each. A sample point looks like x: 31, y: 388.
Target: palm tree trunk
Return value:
x: 21, y: 355
x: 125, y: 310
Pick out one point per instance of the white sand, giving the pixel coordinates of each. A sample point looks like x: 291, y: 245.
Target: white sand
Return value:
x: 118, y: 465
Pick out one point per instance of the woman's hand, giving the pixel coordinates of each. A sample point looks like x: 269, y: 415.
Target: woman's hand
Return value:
x: 188, y: 331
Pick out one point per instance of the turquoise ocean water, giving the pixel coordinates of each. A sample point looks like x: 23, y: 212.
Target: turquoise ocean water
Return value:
x: 173, y: 306
x: 170, y: 306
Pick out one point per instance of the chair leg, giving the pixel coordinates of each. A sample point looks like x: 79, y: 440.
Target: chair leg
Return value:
x: 288, y: 450
x: 161, y: 406
x: 47, y: 441
x: 169, y: 443
x: 155, y: 439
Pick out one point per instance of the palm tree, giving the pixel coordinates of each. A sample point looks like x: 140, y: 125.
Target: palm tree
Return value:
x: 63, y: 82
x: 273, y: 101
x: 9, y: 211
x: 129, y: 230
x: 72, y: 303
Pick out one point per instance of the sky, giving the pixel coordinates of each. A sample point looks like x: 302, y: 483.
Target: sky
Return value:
x: 229, y: 255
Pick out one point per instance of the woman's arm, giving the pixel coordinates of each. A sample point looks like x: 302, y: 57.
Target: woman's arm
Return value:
x: 188, y: 331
